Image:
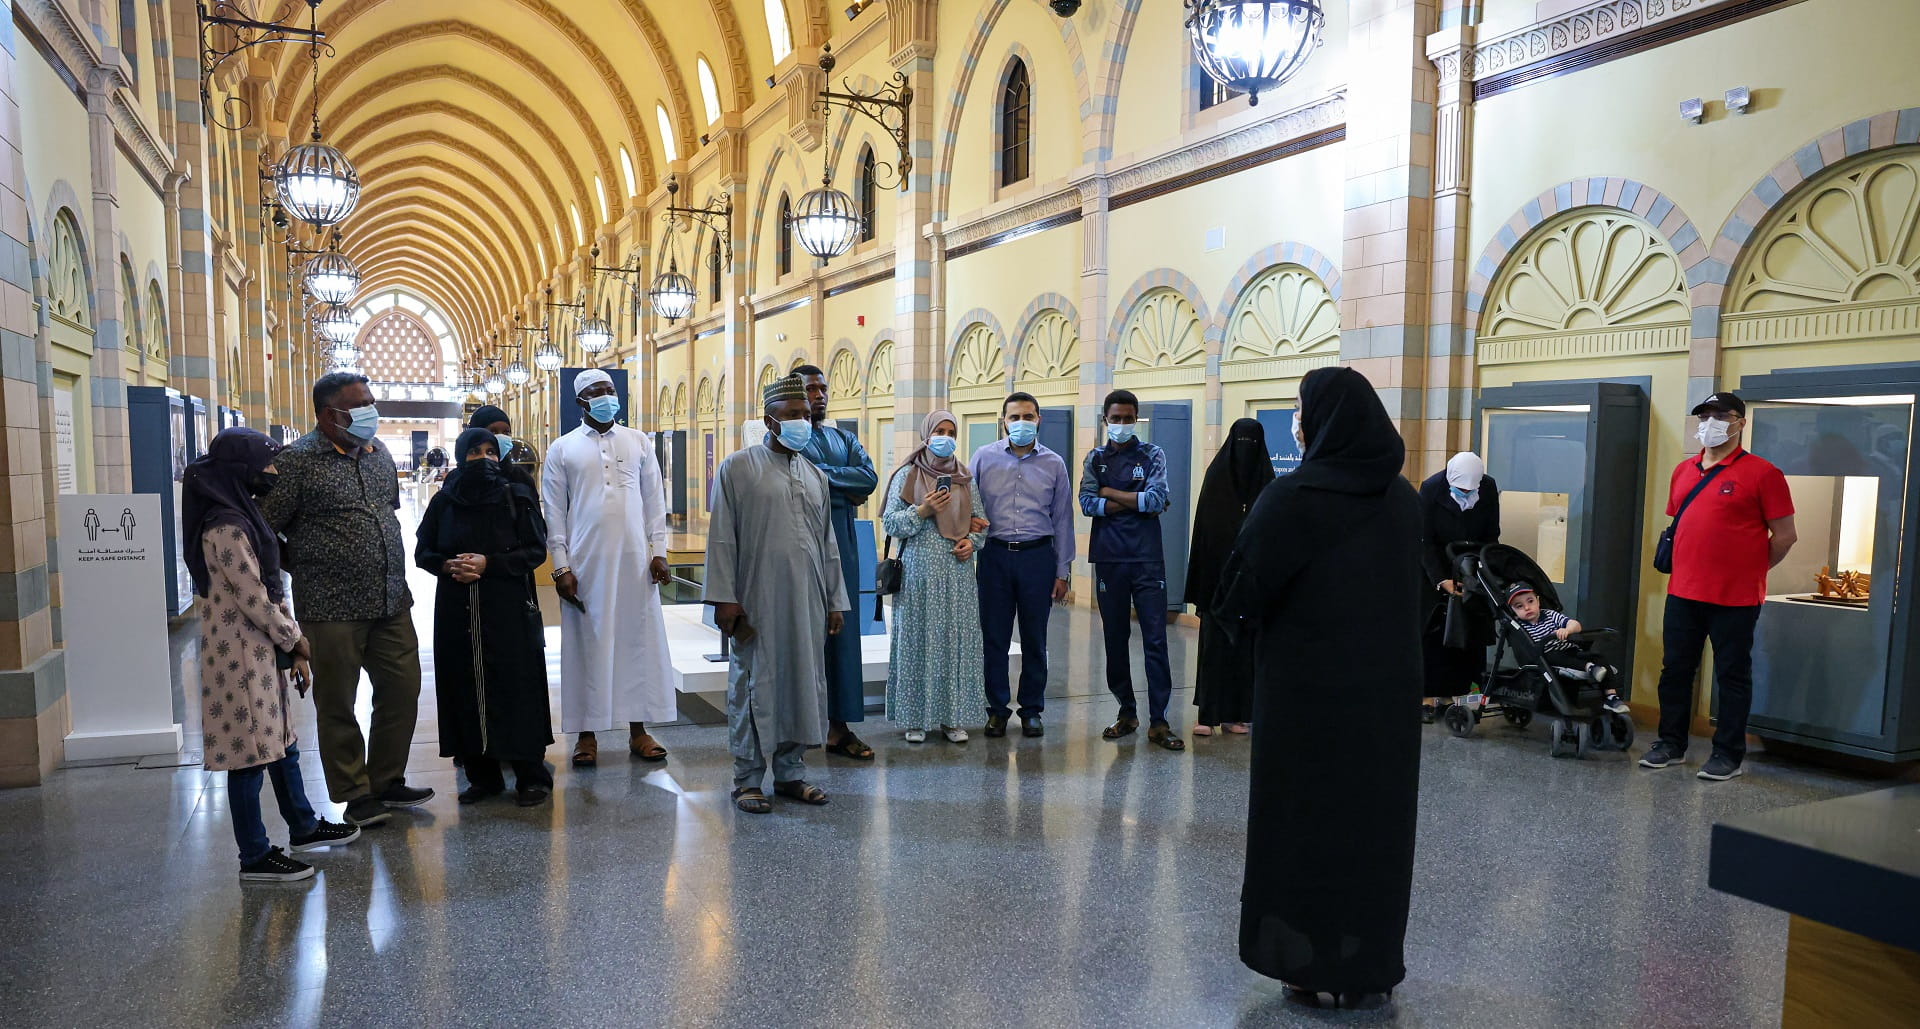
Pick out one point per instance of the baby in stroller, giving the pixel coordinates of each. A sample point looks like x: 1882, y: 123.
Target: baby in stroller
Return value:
x: 1550, y: 630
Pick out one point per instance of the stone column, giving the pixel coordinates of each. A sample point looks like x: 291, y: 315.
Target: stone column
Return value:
x: 255, y: 253
x: 33, y: 695
x: 193, y: 370
x: 1450, y: 360
x: 1096, y: 377
x: 1384, y: 270
x: 112, y: 467
x: 919, y: 352
x: 741, y: 402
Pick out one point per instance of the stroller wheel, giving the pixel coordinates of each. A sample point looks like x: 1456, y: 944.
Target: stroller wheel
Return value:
x: 1518, y: 717
x: 1557, y: 731
x: 1583, y: 738
x: 1460, y: 721
x: 1621, y: 730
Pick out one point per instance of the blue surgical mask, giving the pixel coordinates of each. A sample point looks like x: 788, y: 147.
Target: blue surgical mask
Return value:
x: 603, y: 408
x: 1022, y: 434
x: 505, y: 443
x: 1119, y: 433
x: 941, y: 446
x: 796, y: 434
x: 365, y: 423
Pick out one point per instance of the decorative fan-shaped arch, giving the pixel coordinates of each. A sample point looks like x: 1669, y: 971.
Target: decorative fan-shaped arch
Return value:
x: 703, y: 402
x: 978, y: 359
x: 1850, y: 237
x: 67, y: 294
x: 1162, y: 331
x: 880, y: 371
x: 679, y: 407
x: 843, y: 376
x: 1285, y: 311
x: 665, y: 410
x: 1593, y: 282
x: 129, y: 307
x: 1051, y: 349
x: 767, y: 374
x: 154, y: 334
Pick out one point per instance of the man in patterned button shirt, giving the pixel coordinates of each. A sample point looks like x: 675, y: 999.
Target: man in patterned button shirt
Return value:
x: 335, y: 503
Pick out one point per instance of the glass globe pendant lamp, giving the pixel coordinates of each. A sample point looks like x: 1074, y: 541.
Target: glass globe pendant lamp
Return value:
x: 594, y: 334
x: 1254, y: 46
x: 518, y: 373
x: 316, y: 183
x: 672, y: 293
x: 826, y: 222
x: 494, y: 384
x: 331, y: 278
x: 548, y: 358
x: 336, y: 324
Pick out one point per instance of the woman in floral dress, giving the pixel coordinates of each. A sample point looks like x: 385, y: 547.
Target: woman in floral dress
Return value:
x: 935, y: 673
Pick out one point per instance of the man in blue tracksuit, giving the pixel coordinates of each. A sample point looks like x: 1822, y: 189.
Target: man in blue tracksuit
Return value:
x: 1123, y: 488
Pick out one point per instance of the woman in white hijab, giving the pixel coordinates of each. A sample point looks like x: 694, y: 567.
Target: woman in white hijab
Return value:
x: 1458, y: 505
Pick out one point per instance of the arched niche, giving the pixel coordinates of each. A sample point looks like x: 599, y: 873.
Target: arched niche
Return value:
x: 1049, y: 356
x: 844, y: 381
x: 1594, y: 282
x: 1284, y: 324
x: 1161, y: 342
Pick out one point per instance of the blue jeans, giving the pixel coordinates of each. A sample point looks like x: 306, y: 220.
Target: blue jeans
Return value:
x: 243, y: 802
x: 1016, y: 584
x: 1123, y: 589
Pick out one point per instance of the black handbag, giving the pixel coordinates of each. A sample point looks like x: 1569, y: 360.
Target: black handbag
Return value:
x: 887, y: 575
x: 1663, y: 551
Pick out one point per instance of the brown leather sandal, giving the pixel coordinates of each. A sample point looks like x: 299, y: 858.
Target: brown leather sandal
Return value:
x: 646, y: 748
x: 1162, y: 736
x: 586, y: 752
x: 1124, y: 726
x: 802, y: 791
x: 752, y: 801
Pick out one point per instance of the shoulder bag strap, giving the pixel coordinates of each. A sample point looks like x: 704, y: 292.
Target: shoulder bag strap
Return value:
x: 886, y: 549
x: 1702, y: 484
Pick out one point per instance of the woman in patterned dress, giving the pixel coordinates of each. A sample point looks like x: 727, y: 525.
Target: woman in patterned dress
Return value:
x: 935, y: 675
x: 251, y: 653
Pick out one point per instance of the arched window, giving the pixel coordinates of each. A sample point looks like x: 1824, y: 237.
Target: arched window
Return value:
x: 868, y: 195
x: 783, y: 255
x: 626, y: 172
x: 709, y: 89
x: 1016, y: 125
x: 579, y: 232
x: 600, y: 192
x: 713, y: 270
x: 779, y: 36
x: 667, y: 144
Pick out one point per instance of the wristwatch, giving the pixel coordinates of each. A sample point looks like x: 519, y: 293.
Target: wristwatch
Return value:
x: 558, y: 572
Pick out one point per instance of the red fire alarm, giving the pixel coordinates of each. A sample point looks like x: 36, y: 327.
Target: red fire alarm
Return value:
x: 860, y: 320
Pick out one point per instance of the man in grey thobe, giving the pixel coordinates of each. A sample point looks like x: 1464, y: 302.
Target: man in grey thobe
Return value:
x: 774, y: 580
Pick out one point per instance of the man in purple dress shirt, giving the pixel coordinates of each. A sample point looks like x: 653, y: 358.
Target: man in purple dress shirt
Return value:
x: 1029, y: 553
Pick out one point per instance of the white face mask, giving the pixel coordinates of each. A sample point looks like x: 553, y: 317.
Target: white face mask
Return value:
x: 1713, y: 432
x: 1299, y: 439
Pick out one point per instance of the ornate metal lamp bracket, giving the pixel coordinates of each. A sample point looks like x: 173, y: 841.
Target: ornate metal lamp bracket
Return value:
x: 895, y: 98
x: 228, y: 29
x: 717, y: 216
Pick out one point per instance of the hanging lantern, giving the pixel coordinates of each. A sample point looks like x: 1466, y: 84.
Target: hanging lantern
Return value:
x: 826, y: 223
x: 344, y: 351
x: 672, y: 293
x: 331, y: 278
x: 518, y: 373
x: 336, y: 324
x: 548, y: 358
x: 1254, y: 46
x: 494, y: 384
x: 594, y: 334
x: 316, y: 183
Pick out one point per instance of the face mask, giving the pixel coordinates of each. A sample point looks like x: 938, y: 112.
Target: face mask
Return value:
x: 1119, y: 433
x: 1022, y: 434
x: 505, y: 443
x: 796, y: 434
x: 365, y: 423
x: 1713, y: 432
x: 262, y: 483
x: 603, y: 408
x: 1299, y: 438
x: 941, y: 446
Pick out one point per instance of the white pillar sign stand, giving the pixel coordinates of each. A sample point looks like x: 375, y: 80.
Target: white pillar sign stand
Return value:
x: 113, y: 614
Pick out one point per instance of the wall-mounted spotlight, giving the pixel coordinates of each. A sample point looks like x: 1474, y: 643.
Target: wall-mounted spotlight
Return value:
x: 1739, y: 98
x: 1065, y: 8
x: 1693, y: 109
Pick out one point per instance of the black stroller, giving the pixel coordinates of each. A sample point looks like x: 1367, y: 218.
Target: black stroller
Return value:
x: 1519, y: 681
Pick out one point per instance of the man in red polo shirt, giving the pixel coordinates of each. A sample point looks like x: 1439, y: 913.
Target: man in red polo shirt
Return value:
x: 1739, y: 525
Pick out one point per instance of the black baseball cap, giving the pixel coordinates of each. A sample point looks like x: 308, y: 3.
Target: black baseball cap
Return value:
x: 1729, y: 402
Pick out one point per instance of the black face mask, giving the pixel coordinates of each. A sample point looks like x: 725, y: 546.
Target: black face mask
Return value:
x: 262, y: 483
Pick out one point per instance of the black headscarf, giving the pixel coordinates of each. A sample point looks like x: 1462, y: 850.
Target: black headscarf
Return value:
x: 1241, y: 469
x: 471, y: 484
x: 217, y: 490
x: 1352, y: 446
x: 486, y: 416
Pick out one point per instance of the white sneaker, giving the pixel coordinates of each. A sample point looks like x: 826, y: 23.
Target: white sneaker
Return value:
x: 916, y: 735
x: 954, y: 735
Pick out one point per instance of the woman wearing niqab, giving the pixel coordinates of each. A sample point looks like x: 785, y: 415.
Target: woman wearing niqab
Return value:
x: 1324, y: 584
x: 1223, y: 681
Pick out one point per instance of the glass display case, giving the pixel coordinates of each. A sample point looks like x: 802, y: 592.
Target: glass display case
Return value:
x: 1834, y: 647
x: 159, y: 448
x: 1570, y: 461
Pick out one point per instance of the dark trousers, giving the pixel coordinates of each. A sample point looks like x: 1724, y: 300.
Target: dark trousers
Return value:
x: 389, y: 651
x: 1689, y: 624
x: 1123, y: 589
x: 243, y: 804
x: 485, y: 772
x: 1016, y: 584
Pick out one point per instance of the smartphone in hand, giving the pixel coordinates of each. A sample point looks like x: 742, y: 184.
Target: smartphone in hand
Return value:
x: 944, y: 483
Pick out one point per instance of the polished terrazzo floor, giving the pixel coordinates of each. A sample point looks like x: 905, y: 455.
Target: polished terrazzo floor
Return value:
x: 1058, y: 882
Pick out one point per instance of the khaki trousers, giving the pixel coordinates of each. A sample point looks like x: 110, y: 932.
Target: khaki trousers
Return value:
x: 389, y: 651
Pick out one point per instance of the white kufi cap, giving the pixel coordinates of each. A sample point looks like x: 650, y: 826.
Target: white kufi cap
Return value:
x: 589, y: 378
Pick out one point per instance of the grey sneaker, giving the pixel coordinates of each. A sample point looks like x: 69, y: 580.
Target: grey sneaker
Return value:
x: 1719, y: 768
x: 1660, y: 755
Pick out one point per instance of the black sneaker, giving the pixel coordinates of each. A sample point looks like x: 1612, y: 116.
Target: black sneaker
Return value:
x: 276, y: 867
x: 476, y: 794
x: 1719, y: 768
x: 996, y: 726
x: 324, y: 834
x: 1660, y: 755
x: 531, y: 796
x: 401, y: 795
x: 367, y: 811
x: 1031, y: 727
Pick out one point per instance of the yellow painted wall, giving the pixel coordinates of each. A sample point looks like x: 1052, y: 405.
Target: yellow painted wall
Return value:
x: 53, y: 131
x: 1006, y: 278
x: 1056, y: 131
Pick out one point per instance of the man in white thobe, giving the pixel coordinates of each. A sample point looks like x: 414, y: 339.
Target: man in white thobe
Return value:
x: 775, y: 583
x: 607, y: 532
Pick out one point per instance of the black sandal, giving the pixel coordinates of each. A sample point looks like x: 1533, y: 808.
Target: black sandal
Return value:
x: 751, y: 800
x: 1162, y: 735
x: 1123, y: 726
x: 802, y: 791
x: 851, y: 746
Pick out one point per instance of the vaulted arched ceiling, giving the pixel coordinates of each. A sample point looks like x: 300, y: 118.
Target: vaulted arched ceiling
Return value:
x: 479, y: 126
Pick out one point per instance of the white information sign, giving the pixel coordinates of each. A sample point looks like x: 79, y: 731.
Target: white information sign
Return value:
x: 113, y: 613
x: 63, y: 451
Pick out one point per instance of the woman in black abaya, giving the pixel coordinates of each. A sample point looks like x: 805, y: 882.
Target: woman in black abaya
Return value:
x: 483, y: 536
x: 1460, y: 504
x: 1324, y: 585
x: 1223, y: 683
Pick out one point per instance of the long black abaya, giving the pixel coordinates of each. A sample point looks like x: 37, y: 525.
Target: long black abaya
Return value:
x: 1452, y: 671
x: 502, y: 711
x: 1223, y: 680
x: 1324, y: 584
